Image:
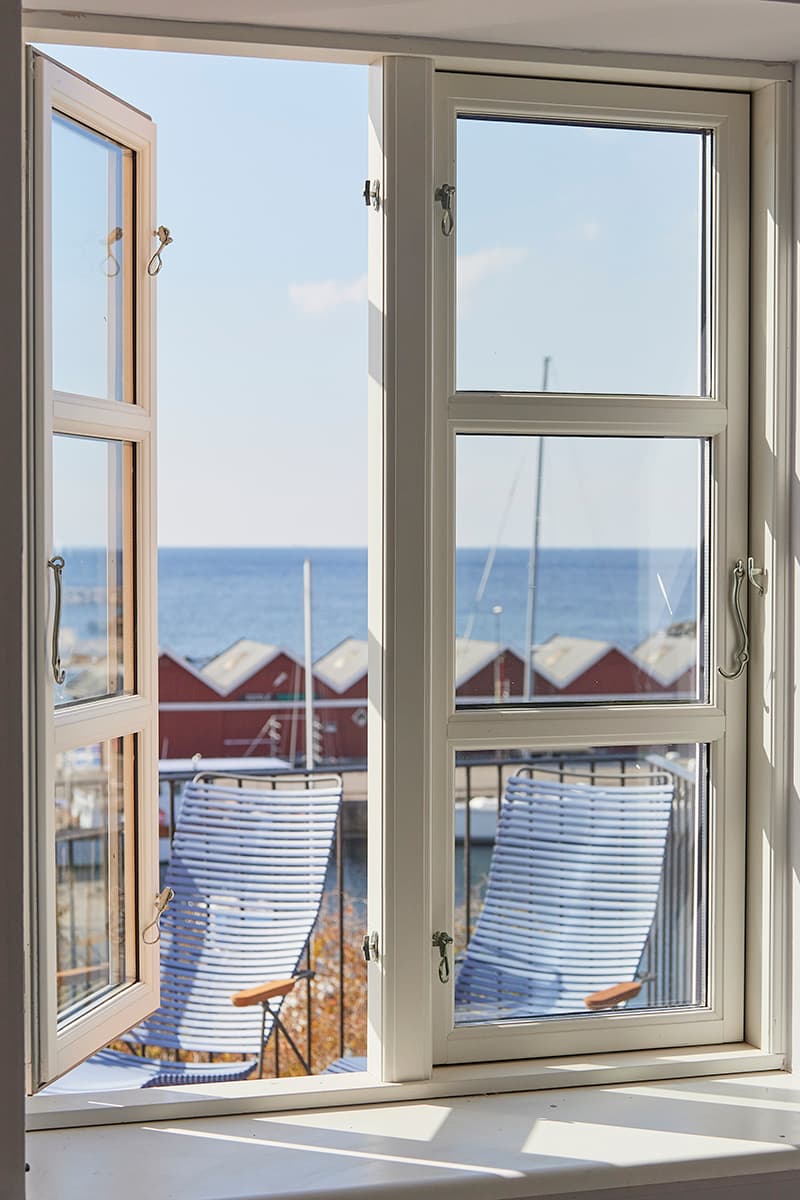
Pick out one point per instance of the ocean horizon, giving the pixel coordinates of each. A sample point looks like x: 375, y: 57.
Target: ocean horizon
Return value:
x: 209, y: 597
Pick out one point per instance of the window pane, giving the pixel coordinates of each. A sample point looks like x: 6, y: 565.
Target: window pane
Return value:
x: 579, y: 873
x: 93, y: 791
x: 584, y: 245
x: 91, y: 284
x: 92, y: 531
x: 584, y: 558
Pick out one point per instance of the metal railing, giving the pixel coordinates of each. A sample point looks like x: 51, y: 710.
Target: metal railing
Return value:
x: 675, y: 955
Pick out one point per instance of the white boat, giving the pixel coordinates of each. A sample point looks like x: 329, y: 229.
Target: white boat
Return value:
x: 482, y: 819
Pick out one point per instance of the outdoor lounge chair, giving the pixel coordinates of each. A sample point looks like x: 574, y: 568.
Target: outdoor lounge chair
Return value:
x: 570, y: 899
x: 248, y: 869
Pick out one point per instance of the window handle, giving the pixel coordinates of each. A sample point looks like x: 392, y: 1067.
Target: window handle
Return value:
x: 56, y: 565
x: 441, y: 940
x: 444, y: 194
x: 754, y: 575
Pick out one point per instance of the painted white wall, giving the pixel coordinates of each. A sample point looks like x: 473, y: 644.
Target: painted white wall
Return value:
x: 11, y: 616
x: 764, y: 29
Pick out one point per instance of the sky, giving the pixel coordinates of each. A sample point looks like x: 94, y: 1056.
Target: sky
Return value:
x: 580, y: 245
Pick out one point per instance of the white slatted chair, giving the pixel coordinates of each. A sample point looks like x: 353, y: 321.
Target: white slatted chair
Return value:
x: 248, y: 869
x: 570, y: 898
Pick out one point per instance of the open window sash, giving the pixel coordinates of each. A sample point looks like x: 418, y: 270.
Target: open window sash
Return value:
x: 94, y: 778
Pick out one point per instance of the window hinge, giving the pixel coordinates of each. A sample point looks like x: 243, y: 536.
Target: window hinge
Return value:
x: 369, y: 946
x: 372, y: 193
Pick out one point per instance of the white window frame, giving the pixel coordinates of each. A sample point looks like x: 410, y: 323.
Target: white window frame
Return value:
x: 55, y: 1049
x: 401, y: 1032
x: 721, y: 418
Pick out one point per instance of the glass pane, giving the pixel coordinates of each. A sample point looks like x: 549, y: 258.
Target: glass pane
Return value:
x: 583, y: 246
x: 580, y: 882
x: 91, y: 268
x: 93, y: 532
x: 581, y: 568
x: 93, y: 791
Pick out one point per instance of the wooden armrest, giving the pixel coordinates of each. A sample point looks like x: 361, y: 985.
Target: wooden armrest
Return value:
x: 262, y: 992
x: 611, y: 996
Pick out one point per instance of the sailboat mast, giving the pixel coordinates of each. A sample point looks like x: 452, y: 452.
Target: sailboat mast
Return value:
x: 309, y: 665
x: 527, y: 683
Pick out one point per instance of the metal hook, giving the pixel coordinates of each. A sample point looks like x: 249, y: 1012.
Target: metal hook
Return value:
x: 752, y: 572
x: 56, y: 565
x: 162, y: 900
x: 743, y: 653
x: 444, y: 194
x: 165, y: 239
x: 442, y: 940
x: 114, y: 236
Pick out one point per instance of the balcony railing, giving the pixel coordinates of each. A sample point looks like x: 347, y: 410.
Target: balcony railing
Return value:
x: 327, y: 1017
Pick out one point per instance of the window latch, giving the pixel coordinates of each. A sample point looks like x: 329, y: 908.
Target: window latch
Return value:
x: 369, y: 946
x: 444, y: 194
x: 372, y: 193
x: 165, y: 239
x: 162, y: 900
x: 441, y: 940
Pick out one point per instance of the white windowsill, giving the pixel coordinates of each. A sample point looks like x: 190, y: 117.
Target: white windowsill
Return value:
x: 511, y: 1145
x: 329, y: 1091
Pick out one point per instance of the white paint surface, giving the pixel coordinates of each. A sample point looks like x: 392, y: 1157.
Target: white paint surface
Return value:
x: 722, y: 28
x: 514, y: 1145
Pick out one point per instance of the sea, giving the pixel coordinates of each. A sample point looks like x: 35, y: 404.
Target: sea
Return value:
x: 208, y: 598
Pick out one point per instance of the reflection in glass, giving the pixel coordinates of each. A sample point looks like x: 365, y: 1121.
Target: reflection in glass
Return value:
x: 580, y: 882
x: 92, y: 530
x: 91, y: 284
x: 580, y: 575
x: 92, y: 789
x: 585, y: 244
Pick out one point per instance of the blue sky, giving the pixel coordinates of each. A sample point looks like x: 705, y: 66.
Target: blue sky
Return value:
x: 262, y: 306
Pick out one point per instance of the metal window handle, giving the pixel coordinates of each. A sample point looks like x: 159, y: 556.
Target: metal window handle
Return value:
x: 161, y: 901
x: 442, y: 940
x: 444, y: 194
x: 754, y: 575
x: 743, y: 653
x: 165, y: 239
x: 56, y: 565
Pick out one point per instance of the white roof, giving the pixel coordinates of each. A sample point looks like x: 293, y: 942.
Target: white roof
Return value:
x: 472, y: 656
x: 666, y: 656
x: 561, y: 660
x: 344, y: 665
x: 236, y: 664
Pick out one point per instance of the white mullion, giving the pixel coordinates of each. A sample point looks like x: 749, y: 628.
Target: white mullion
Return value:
x: 398, y: 626
x: 442, y: 565
x: 584, y: 726
x: 590, y: 416
x: 95, y: 721
x: 120, y: 422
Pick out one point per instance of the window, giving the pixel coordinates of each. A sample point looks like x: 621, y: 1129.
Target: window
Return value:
x: 590, y: 403
x: 96, y: 856
x: 502, y: 371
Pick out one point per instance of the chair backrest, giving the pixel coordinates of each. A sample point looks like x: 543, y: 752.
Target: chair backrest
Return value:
x: 570, y: 897
x: 248, y: 869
